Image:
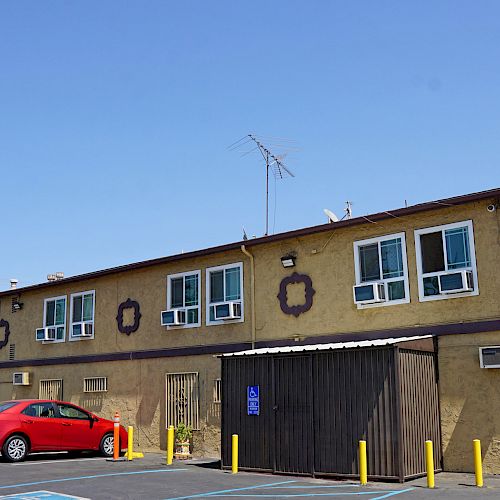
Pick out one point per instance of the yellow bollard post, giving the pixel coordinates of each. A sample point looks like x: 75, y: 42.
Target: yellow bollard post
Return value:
x: 363, y: 469
x: 170, y: 444
x: 130, y: 445
x: 234, y: 454
x: 429, y: 463
x: 478, y: 466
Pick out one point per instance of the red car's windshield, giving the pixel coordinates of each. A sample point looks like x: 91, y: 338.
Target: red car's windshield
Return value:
x: 7, y: 404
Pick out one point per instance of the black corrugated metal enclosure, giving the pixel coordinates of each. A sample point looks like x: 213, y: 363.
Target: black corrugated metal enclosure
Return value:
x: 315, y: 406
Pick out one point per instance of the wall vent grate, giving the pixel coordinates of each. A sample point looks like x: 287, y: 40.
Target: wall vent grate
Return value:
x: 95, y: 384
x: 51, y: 389
x: 183, y: 400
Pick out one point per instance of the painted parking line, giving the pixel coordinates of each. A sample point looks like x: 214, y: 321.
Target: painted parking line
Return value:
x: 96, y: 476
x: 34, y: 462
x: 304, y: 495
x: 213, y: 493
x: 43, y: 494
x: 308, y: 487
x: 246, y: 493
x: 393, y: 493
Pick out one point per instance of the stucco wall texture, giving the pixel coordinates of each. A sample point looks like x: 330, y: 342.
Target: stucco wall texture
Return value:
x: 328, y: 258
x: 470, y: 402
x: 137, y: 390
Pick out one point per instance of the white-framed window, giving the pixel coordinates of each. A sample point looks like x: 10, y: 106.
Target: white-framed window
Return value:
x: 184, y: 293
x: 382, y: 260
x: 54, y: 315
x: 183, y: 399
x: 82, y: 315
x: 446, y: 261
x: 225, y: 291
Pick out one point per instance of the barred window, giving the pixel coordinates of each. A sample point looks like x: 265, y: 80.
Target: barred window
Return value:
x: 51, y: 389
x: 95, y: 384
x: 182, y: 395
x: 217, y: 390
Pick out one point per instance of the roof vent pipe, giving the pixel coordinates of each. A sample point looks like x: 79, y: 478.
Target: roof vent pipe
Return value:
x: 13, y: 283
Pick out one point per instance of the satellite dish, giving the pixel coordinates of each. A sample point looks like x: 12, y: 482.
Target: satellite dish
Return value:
x: 331, y: 216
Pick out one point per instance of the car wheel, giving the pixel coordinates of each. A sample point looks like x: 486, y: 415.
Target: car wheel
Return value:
x: 15, y: 448
x: 107, y: 445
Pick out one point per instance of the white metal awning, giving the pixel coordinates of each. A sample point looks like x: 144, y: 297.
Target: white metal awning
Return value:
x: 325, y: 347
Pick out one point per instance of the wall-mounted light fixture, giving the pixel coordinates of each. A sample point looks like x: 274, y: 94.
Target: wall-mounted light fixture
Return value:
x: 16, y: 305
x: 288, y: 260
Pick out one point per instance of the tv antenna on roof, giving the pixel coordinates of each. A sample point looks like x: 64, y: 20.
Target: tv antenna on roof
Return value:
x: 275, y: 162
x: 348, y: 210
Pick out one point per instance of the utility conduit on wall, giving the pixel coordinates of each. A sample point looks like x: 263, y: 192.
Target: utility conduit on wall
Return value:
x: 252, y: 286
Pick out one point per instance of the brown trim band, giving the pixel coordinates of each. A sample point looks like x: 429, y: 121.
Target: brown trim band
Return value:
x: 400, y: 212
x: 437, y: 330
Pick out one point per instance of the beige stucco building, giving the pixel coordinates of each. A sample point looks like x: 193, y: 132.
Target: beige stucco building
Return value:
x: 426, y: 269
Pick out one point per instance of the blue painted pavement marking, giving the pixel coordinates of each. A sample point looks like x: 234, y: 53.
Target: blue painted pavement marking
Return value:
x: 304, y: 495
x: 393, y: 493
x: 41, y: 495
x: 212, y: 493
x: 97, y: 476
x: 312, y: 487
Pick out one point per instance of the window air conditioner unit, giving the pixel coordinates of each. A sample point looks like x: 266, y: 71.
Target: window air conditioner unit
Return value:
x: 371, y: 293
x: 173, y: 317
x: 21, y: 378
x: 45, y: 334
x: 227, y: 310
x: 456, y: 282
x: 82, y: 329
x: 489, y: 357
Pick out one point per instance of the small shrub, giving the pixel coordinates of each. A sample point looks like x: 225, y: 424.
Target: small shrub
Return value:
x: 183, y: 433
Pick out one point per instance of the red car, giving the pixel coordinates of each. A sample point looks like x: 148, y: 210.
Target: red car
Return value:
x: 33, y: 425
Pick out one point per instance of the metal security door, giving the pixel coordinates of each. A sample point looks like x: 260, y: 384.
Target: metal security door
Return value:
x: 293, y: 423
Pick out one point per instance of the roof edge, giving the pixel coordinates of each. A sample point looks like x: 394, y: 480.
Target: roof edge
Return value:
x: 388, y: 214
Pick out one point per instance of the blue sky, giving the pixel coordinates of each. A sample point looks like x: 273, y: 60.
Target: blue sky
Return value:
x: 116, y: 117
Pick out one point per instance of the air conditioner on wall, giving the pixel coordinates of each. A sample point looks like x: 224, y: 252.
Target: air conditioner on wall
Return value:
x: 21, y: 378
x: 489, y: 357
x: 82, y: 329
x: 45, y: 334
x: 227, y: 310
x: 173, y: 317
x: 456, y: 282
x: 370, y: 293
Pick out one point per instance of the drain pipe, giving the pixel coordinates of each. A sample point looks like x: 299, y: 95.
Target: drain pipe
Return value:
x: 252, y: 287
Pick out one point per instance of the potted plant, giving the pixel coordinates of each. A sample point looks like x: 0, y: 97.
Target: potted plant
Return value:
x: 183, y: 435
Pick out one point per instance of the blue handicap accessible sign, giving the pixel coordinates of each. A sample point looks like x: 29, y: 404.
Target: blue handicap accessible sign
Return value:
x: 253, y: 404
x: 41, y: 495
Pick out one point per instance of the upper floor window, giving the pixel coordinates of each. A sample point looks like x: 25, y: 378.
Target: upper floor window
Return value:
x: 54, y: 321
x: 446, y: 261
x: 183, y: 300
x: 225, y: 293
x: 82, y: 315
x: 381, y: 271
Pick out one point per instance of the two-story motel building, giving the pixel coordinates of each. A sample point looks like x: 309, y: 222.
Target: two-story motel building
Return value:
x: 143, y: 338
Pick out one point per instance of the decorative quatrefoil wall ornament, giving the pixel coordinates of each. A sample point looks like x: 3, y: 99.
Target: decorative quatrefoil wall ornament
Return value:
x: 129, y: 304
x: 5, y: 325
x: 308, y: 295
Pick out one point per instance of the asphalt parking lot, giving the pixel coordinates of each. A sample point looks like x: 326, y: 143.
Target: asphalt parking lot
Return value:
x: 57, y: 476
